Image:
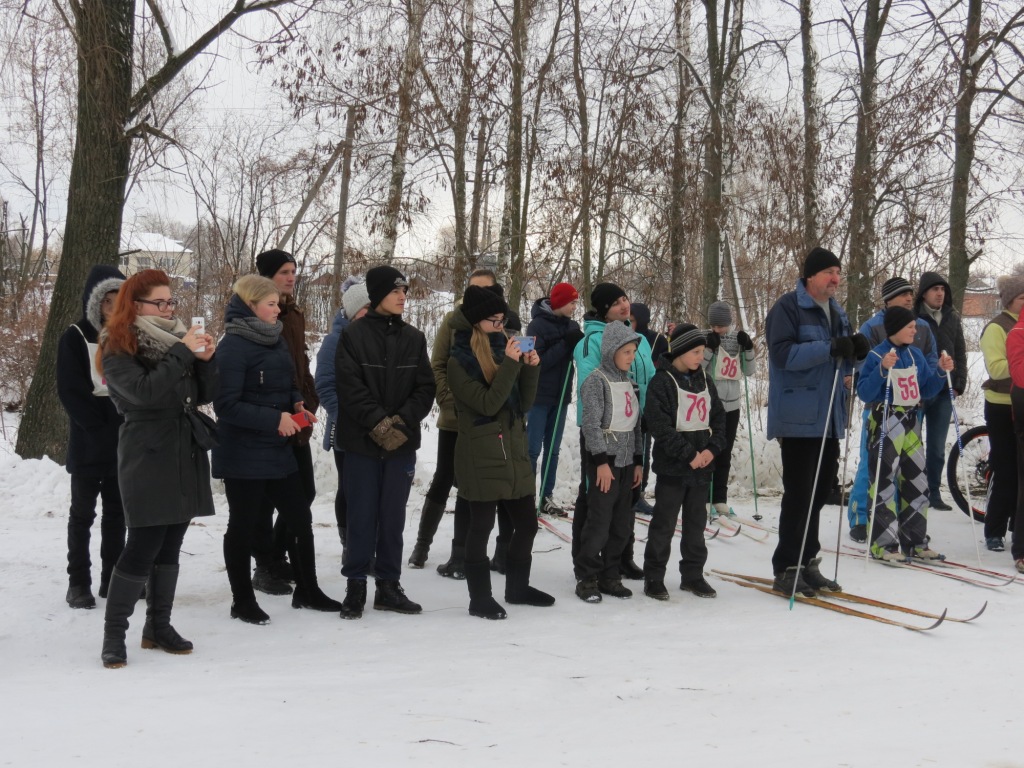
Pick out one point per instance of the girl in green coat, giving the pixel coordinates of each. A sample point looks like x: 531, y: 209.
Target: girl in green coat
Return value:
x: 494, y: 384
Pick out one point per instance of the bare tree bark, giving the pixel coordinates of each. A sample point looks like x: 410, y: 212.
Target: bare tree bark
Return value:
x: 812, y: 144
x: 346, y: 179
x: 684, y: 38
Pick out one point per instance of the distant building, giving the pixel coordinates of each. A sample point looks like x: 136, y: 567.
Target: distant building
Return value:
x: 981, y: 298
x: 148, y: 250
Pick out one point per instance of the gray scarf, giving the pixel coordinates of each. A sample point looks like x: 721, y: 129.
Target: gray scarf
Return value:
x: 157, y: 335
x: 255, y: 330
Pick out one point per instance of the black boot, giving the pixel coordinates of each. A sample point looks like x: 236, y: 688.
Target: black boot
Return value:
x: 430, y: 518
x: 481, y: 601
x: 355, y: 599
x: 265, y: 581
x: 498, y: 562
x: 80, y: 596
x: 517, y: 585
x: 628, y: 569
x: 455, y: 568
x: 122, y: 595
x: 307, y: 592
x: 391, y: 597
x: 157, y: 632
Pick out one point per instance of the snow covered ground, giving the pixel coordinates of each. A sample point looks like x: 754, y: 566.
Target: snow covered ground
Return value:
x: 736, y: 681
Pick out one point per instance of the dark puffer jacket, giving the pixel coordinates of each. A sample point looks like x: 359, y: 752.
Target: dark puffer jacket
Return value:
x: 492, y: 460
x: 673, y: 451
x: 257, y: 384
x: 326, y: 381
x: 163, y: 474
x: 555, y: 353
x: 93, y: 419
x: 949, y: 331
x: 382, y: 370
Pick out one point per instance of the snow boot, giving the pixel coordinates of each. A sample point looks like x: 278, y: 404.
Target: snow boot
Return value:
x: 784, y: 581
x: 355, y: 599
x: 307, y: 592
x: 264, y: 580
x: 926, y: 553
x: 859, y: 533
x: 481, y: 599
x: 699, y: 586
x: 817, y: 580
x: 655, y: 588
x: 642, y: 507
x: 455, y: 568
x: 121, y: 598
x: 249, y: 611
x: 628, y: 568
x: 587, y: 591
x: 80, y: 596
x: 500, y: 556
x: 391, y: 597
x: 614, y: 588
x: 157, y: 632
x: 517, y: 585
x: 430, y: 518
x: 887, y: 555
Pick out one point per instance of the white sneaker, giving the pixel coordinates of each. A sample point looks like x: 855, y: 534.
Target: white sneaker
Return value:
x: 550, y: 508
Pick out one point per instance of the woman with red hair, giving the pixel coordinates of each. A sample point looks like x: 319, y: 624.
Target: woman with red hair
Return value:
x: 158, y: 372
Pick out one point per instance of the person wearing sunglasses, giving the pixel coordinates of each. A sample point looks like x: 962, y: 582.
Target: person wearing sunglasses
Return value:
x: 157, y: 377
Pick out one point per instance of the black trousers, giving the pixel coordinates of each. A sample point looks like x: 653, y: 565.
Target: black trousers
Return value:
x: 149, y: 546
x: 723, y: 461
x: 608, y: 526
x: 270, y: 539
x: 1002, y: 440
x: 244, y: 499
x: 84, y: 492
x: 444, y: 473
x: 799, y: 458
x: 670, y: 496
x: 522, y: 519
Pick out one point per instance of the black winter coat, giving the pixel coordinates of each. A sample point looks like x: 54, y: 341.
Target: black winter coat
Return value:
x: 555, y: 352
x: 163, y: 474
x: 93, y: 419
x: 949, y: 333
x: 382, y: 370
x: 673, y: 451
x: 257, y: 384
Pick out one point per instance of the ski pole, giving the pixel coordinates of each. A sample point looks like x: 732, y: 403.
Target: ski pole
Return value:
x: 547, y: 451
x: 878, y: 464
x: 814, y: 487
x: 750, y: 435
x: 963, y: 466
x: 843, y: 499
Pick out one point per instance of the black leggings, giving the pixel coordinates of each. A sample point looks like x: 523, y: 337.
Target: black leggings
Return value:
x: 523, y: 515
x: 149, y: 546
x: 444, y: 473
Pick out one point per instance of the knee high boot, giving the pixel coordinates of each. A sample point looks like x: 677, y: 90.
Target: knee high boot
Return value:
x: 430, y: 518
x: 307, y: 592
x: 157, y: 632
x: 481, y: 601
x: 455, y: 568
x: 122, y: 595
x: 517, y: 585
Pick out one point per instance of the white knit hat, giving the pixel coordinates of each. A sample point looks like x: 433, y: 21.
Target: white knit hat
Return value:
x: 354, y: 299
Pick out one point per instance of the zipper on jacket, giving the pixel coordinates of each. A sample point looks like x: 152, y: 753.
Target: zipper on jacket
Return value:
x: 261, y: 378
x: 501, y: 442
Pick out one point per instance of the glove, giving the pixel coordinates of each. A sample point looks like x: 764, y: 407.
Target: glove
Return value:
x: 861, y: 346
x: 714, y: 341
x: 842, y: 346
x: 397, y: 436
x: 378, y: 432
x: 744, y: 341
x: 573, y: 337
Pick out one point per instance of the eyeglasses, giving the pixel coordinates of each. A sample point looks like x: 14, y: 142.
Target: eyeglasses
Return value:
x: 161, y: 304
x: 499, y: 321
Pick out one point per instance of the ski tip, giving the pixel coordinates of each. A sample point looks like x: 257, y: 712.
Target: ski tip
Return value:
x: 938, y: 621
x: 983, y: 607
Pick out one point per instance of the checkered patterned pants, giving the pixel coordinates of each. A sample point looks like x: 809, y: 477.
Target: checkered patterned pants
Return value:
x: 903, y: 467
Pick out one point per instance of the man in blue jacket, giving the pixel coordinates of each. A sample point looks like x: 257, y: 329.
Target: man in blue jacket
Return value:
x: 810, y: 347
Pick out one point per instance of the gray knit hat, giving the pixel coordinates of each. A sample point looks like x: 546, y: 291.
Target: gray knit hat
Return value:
x: 895, y: 286
x: 719, y: 313
x: 1009, y: 287
x: 354, y: 299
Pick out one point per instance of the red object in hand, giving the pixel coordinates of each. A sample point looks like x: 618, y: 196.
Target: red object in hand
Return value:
x: 302, y: 419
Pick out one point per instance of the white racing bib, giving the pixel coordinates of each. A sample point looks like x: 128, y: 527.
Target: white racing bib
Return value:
x: 693, y: 410
x: 727, y: 367
x: 906, y: 391
x: 625, y: 406
x: 99, y: 383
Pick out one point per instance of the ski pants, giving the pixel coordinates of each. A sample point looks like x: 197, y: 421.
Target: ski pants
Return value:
x: 608, y: 526
x: 901, y: 522
x: 671, y: 495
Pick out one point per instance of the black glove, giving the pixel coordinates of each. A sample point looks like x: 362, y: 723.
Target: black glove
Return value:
x: 842, y: 346
x: 714, y: 341
x: 573, y: 337
x: 861, y: 346
x: 744, y: 341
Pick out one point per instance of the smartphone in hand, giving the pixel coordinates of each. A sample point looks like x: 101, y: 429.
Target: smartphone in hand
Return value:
x: 201, y: 322
x: 526, y: 343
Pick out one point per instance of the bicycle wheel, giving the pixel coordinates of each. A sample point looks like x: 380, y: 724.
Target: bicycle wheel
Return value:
x: 976, y: 469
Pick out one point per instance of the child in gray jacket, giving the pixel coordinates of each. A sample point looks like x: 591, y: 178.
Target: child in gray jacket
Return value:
x: 613, y: 451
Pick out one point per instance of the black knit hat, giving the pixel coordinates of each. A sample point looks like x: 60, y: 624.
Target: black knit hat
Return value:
x: 819, y: 259
x: 479, y: 303
x: 895, y: 286
x: 896, y: 319
x: 380, y: 281
x: 684, y: 338
x: 603, y: 296
x: 268, y: 262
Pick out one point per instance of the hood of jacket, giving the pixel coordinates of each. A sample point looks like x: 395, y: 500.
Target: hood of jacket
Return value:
x: 340, y: 322
x: 616, y: 336
x: 928, y: 281
x: 541, y: 308
x: 237, y: 309
x: 101, y: 281
x: 642, y: 314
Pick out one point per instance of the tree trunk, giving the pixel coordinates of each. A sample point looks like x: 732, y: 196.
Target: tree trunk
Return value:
x: 460, y: 134
x: 963, y: 157
x: 683, y: 33
x: 96, y: 189
x: 586, y: 180
x: 812, y: 147
x: 346, y: 179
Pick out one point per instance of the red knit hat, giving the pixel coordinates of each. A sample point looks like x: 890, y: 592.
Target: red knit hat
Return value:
x: 562, y: 294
